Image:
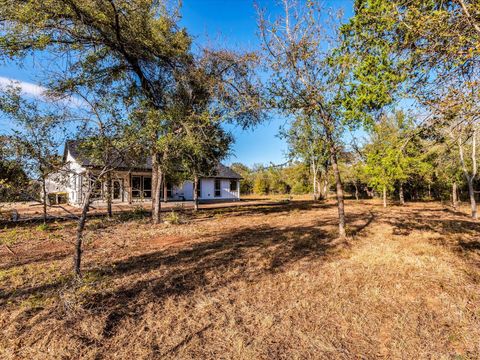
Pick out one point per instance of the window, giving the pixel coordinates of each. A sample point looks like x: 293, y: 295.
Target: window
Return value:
x: 97, y: 189
x: 141, y: 186
x: 136, y: 186
x: 233, y: 185
x: 218, y: 190
x: 117, y: 189
x: 169, y: 190
x: 147, y: 187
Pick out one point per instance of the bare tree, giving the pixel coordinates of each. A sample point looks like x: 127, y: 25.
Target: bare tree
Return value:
x: 305, y: 76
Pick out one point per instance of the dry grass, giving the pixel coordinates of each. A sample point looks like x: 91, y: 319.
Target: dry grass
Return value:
x: 263, y: 281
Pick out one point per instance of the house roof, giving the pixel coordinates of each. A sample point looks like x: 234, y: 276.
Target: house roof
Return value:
x: 72, y: 147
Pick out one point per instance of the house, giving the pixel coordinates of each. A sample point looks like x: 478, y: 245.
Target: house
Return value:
x: 130, y: 185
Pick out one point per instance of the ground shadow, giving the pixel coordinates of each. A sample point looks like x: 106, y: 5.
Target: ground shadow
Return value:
x: 269, y: 208
x: 448, y: 227
x: 243, y: 254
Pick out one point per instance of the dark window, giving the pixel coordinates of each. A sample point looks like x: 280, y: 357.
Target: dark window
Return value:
x: 97, y: 189
x: 218, y: 190
x: 147, y: 187
x: 117, y: 188
x: 169, y: 190
x: 136, y: 186
x: 233, y: 185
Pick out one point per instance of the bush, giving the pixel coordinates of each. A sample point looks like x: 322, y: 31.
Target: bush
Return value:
x: 173, y: 218
x: 300, y: 189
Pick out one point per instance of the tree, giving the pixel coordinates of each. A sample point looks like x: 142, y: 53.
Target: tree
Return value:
x: 394, y: 155
x: 460, y: 123
x: 382, y: 168
x: 306, y: 142
x: 37, y: 134
x: 298, y: 178
x: 13, y: 179
x: 308, y: 76
x: 106, y: 144
x: 447, y: 170
x: 353, y: 171
x: 129, y: 47
x: 419, y: 44
x: 204, y: 146
x: 424, y: 50
x: 246, y: 184
x: 261, y: 182
x: 134, y: 48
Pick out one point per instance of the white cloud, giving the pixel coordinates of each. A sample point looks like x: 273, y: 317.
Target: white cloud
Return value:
x: 37, y: 91
x: 27, y: 88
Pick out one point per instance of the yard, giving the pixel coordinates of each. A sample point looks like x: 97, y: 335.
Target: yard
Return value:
x: 257, y: 280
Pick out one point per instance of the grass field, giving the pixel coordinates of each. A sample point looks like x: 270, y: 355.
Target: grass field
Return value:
x: 255, y: 281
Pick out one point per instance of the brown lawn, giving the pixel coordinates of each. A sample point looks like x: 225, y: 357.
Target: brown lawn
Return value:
x: 245, y: 282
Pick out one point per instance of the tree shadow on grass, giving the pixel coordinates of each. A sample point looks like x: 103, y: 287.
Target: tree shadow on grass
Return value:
x: 267, y: 209
x: 244, y: 254
x: 418, y: 221
x: 448, y: 228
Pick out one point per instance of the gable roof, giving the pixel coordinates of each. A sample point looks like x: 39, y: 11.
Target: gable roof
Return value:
x: 73, y: 147
x: 225, y: 172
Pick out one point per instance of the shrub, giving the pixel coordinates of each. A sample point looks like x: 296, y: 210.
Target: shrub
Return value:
x: 173, y: 218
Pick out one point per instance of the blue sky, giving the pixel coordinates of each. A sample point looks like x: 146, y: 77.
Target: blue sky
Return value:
x: 231, y: 23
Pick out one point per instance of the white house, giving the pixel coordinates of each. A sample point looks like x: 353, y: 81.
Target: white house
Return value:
x: 130, y: 185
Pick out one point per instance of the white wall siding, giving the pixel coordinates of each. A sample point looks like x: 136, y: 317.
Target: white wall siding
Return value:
x: 207, y: 191
x: 226, y: 193
x: 188, y: 190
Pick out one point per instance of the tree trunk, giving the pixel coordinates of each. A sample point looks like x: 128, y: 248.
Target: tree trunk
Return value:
x: 356, y: 190
x: 44, y: 188
x: 155, y: 189
x: 315, y: 195
x: 157, y: 186
x: 195, y: 193
x: 325, y: 187
x: 369, y: 192
x: 384, y: 196
x: 77, y: 258
x: 429, y: 191
x: 338, y: 181
x: 454, y: 195
x: 109, y: 195
x: 473, y: 203
x: 400, y: 193
x: 154, y: 185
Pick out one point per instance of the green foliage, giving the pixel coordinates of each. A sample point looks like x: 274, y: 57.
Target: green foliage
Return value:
x: 395, y: 153
x: 42, y: 227
x: 173, y: 218
x: 248, y: 177
x: 263, y: 180
x: 401, y: 48
x: 12, y: 175
x: 37, y: 132
x: 261, y: 184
